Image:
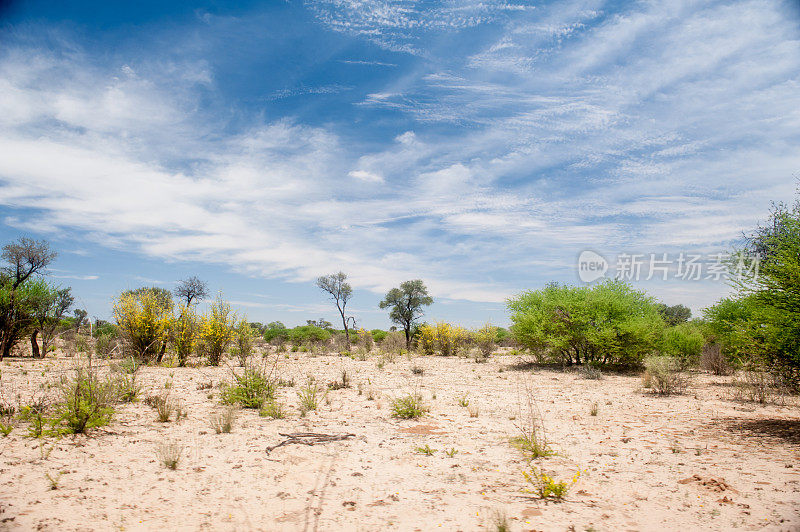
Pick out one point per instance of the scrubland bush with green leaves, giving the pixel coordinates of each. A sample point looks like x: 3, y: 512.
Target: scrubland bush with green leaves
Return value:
x: 607, y: 323
x: 684, y: 342
x: 759, y: 327
x: 252, y: 386
x: 410, y: 406
x: 663, y: 375
x: 86, y: 402
x: 485, y: 340
x: 244, y: 338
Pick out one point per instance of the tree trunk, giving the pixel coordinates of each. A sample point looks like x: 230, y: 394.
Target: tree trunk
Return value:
x: 35, y: 344
x: 407, y: 329
x: 161, y: 352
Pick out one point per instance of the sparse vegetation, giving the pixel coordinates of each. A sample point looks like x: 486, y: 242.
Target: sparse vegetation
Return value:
x: 409, y: 406
x: 222, y: 422
x: 169, y: 454
x: 663, y: 376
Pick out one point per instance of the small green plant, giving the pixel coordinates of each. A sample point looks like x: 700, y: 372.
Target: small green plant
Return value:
x: 53, y: 480
x: 163, y: 405
x: 463, y: 401
x: 532, y: 437
x: 5, y: 429
x: 409, y: 406
x: 309, y: 397
x: 451, y: 452
x: 250, y: 388
x: 86, y: 403
x: 222, y: 422
x: 169, y: 454
x: 594, y: 409
x: 426, y: 450
x: 273, y: 409
x: 546, y: 487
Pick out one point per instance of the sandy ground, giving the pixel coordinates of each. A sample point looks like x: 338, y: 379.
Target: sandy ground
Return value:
x: 690, y: 462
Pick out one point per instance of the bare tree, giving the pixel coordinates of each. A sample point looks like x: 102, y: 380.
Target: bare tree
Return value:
x: 340, y: 291
x: 23, y: 258
x: 191, y: 289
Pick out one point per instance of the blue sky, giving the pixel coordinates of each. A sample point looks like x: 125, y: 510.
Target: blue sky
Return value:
x: 480, y: 146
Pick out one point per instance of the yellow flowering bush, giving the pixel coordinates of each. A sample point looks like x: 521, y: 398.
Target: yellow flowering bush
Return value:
x: 485, y: 338
x: 546, y: 487
x: 442, y: 338
x: 217, y: 330
x: 184, y: 333
x: 145, y: 321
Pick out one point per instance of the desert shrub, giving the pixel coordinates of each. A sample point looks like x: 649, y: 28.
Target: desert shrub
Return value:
x: 409, y: 406
x: 342, y: 383
x: 365, y: 339
x: 273, y: 409
x: 169, y: 454
x: 531, y: 436
x: 184, y: 334
x: 394, y: 343
x: 683, y: 341
x: 712, y: 359
x: 275, y: 333
x: 222, y: 422
x: 106, y: 345
x: 309, y: 396
x: 144, y: 320
x: 250, y: 388
x: 759, y: 385
x: 164, y: 406
x: 546, y: 487
x: 127, y: 389
x: 591, y: 372
x: 663, y: 376
x: 86, y: 402
x: 216, y: 331
x: 485, y: 340
x: 609, y: 322
x: 243, y: 341
x: 378, y: 335
x: 308, y: 334
x: 442, y: 338
x: 104, y: 328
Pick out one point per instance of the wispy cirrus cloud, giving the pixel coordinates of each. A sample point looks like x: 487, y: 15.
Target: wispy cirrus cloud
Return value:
x: 551, y: 129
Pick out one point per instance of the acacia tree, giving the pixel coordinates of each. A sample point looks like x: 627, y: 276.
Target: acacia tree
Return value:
x: 405, y: 304
x: 23, y: 259
x: 46, y: 317
x: 340, y: 291
x: 80, y: 318
x: 191, y: 289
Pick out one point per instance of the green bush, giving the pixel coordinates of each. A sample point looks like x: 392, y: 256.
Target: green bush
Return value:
x: 378, y: 335
x: 685, y: 342
x: 607, y: 323
x: 86, y: 402
x: 250, y: 389
x: 309, y: 334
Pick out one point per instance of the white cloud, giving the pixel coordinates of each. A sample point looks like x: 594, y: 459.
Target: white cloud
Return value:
x: 369, y: 177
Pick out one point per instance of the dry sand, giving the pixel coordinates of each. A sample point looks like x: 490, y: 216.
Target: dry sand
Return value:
x: 689, y: 462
